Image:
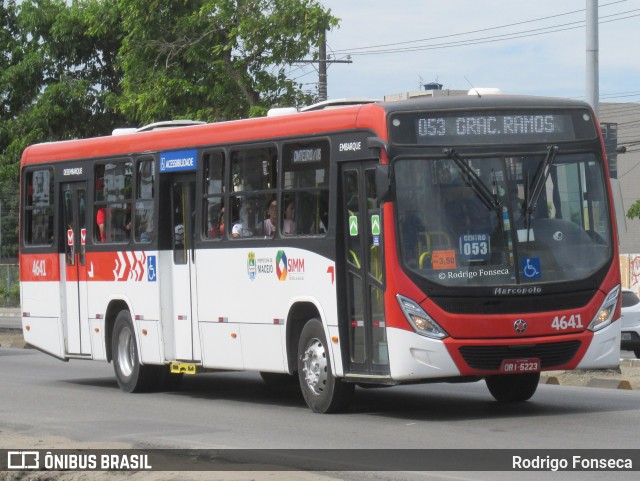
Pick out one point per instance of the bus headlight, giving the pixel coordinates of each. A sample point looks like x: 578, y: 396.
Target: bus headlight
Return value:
x: 604, y: 315
x: 420, y: 320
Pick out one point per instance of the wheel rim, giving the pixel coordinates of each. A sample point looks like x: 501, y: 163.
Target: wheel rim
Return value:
x: 315, y: 367
x: 126, y: 352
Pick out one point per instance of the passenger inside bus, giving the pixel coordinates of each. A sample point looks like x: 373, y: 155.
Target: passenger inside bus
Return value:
x: 217, y: 226
x: 101, y: 218
x: 246, y: 226
x: 288, y: 224
x: 269, y: 224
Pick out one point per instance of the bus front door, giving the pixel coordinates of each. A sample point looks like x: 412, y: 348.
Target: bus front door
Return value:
x: 363, y: 312
x: 75, y: 315
x: 183, y: 205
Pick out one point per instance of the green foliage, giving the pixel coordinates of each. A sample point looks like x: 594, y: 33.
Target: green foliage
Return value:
x: 214, y: 59
x: 79, y: 69
x: 634, y: 210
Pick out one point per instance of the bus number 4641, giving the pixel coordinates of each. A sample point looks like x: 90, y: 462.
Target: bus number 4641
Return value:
x: 39, y: 268
x: 560, y: 323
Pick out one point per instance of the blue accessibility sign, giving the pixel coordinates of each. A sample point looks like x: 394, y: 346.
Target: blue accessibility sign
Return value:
x: 178, y: 160
x: 531, y: 268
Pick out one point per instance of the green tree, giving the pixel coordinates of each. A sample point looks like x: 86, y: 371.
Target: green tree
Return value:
x: 78, y: 70
x: 214, y: 59
x: 634, y: 210
x: 58, y: 79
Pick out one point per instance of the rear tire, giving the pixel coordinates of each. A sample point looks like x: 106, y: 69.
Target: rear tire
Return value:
x: 636, y: 352
x: 130, y: 374
x: 322, y: 391
x: 513, y: 388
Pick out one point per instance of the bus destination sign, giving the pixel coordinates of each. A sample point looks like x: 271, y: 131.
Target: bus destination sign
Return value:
x: 490, y: 127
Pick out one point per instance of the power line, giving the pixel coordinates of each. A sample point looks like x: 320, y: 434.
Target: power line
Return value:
x: 476, y: 31
x: 487, y: 39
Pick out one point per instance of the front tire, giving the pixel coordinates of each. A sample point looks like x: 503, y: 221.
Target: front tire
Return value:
x: 322, y: 391
x: 513, y: 388
x: 130, y: 374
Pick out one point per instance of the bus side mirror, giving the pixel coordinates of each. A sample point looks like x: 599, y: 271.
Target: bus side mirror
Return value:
x: 383, y: 183
x: 383, y: 180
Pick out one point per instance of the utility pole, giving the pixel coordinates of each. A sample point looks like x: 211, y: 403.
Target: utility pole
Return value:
x: 592, y: 80
x: 322, y: 66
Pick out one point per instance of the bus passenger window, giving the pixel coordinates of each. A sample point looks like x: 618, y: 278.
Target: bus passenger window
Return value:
x: 144, y: 211
x: 306, y: 187
x: 214, y: 168
x: 113, y: 192
x: 254, y: 176
x: 38, y: 215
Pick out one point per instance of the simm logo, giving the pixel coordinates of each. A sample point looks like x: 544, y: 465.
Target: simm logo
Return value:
x: 291, y: 267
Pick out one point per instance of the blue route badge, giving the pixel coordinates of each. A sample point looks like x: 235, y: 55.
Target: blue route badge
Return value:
x: 152, y: 275
x: 475, y: 247
x: 531, y: 268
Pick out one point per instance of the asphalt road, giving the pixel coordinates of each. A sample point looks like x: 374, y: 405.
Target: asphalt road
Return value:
x: 237, y: 410
x: 80, y: 401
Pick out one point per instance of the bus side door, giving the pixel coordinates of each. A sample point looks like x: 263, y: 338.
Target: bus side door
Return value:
x: 75, y: 308
x: 183, y: 206
x: 363, y: 314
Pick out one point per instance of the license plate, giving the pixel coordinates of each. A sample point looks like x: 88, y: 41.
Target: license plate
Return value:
x: 626, y: 336
x: 520, y: 365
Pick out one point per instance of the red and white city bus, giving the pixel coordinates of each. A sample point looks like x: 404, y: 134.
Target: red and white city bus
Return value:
x: 441, y: 239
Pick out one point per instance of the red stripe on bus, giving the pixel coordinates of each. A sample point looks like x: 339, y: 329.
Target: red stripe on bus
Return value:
x: 39, y: 267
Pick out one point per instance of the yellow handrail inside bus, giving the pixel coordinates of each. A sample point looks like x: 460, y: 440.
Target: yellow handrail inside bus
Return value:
x: 354, y: 256
x: 430, y: 241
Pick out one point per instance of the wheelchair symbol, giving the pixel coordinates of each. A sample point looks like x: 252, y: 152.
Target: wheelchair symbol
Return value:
x: 531, y: 267
x: 151, y: 269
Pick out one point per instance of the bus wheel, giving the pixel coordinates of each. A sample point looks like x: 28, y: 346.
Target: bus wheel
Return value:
x: 321, y: 390
x: 130, y: 374
x: 513, y: 388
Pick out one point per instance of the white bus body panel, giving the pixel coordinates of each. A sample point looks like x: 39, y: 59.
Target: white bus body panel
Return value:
x: 221, y: 345
x: 42, y: 325
x: 416, y: 357
x: 604, y: 350
x: 255, y: 289
x: 243, y: 301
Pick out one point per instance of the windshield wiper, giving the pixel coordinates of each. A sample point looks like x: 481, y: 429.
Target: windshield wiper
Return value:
x: 488, y: 198
x: 540, y: 181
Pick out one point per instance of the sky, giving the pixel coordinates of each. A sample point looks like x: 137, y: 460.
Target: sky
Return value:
x: 519, y: 46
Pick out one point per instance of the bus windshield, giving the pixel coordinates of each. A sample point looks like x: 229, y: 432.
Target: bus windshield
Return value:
x: 468, y: 220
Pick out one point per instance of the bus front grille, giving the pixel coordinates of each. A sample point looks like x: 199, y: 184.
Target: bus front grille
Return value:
x: 491, y: 357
